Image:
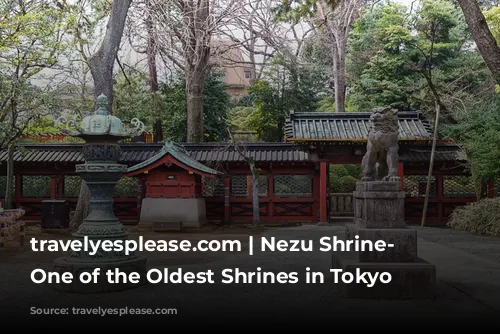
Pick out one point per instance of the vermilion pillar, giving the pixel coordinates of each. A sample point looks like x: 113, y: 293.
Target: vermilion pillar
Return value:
x: 53, y: 187
x: 401, y: 173
x: 323, y: 179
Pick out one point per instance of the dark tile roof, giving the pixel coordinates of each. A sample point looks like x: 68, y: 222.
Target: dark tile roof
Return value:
x: 451, y: 153
x: 179, y: 153
x: 350, y: 126
x: 210, y: 153
x: 139, y: 152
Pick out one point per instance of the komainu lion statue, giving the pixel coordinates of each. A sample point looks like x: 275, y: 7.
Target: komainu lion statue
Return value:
x: 381, y: 159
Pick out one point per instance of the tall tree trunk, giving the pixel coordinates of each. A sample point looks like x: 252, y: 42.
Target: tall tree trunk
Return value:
x: 197, y: 56
x: 101, y: 66
x: 195, y: 81
x: 10, y: 155
x: 486, y: 43
x: 153, y: 79
x: 431, y: 164
x: 339, y: 78
x: 81, y: 210
x: 10, y: 178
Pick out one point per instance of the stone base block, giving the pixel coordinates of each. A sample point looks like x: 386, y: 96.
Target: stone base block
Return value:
x: 378, y: 186
x: 379, y: 204
x: 372, y: 223
x: 190, y: 211
x: 167, y: 226
x: 62, y: 264
x: 411, y: 280
x: 404, y: 241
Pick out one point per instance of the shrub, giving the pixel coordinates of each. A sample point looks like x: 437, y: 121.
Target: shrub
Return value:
x: 355, y: 171
x: 338, y: 171
x: 343, y: 178
x: 348, y: 183
x: 481, y: 217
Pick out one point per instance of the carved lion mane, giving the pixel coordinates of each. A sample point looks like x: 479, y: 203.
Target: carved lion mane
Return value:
x: 381, y: 159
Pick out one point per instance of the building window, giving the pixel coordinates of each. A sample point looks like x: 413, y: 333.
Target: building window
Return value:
x: 126, y: 187
x: 263, y: 185
x: 293, y: 185
x: 239, y: 185
x: 248, y: 74
x: 415, y: 185
x: 458, y: 186
x: 213, y: 187
x: 71, y: 187
x: 35, y: 186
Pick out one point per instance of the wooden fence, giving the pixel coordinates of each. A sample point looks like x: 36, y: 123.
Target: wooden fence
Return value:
x: 341, y: 205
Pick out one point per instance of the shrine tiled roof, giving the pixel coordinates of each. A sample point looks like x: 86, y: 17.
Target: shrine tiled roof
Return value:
x: 133, y: 153
x: 350, y: 127
x: 442, y: 154
x: 214, y: 153
x: 179, y: 153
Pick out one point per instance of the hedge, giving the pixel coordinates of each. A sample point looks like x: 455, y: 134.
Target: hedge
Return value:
x: 481, y: 217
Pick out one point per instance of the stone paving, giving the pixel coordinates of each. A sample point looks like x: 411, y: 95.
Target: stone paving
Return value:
x: 275, y: 301
x: 482, y: 246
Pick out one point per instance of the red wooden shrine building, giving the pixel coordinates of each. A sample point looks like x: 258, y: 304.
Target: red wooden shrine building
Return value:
x: 293, y: 186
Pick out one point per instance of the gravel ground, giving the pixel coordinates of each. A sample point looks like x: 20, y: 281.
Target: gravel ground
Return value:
x: 479, y: 245
x: 293, y: 302
x: 482, y: 246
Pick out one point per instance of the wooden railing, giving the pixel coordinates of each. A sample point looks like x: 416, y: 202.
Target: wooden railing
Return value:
x: 272, y: 210
x: 341, y: 205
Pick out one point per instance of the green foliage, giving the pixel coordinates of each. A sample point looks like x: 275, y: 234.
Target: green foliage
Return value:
x: 325, y: 104
x: 348, y: 183
x: 242, y: 101
x: 338, y: 171
x: 343, y: 178
x: 268, y: 118
x: 42, y: 126
x: 31, y: 39
x: 355, y: 171
x: 493, y: 18
x: 482, y: 217
x: 396, y: 57
x: 216, y: 103
x: 85, y: 20
x: 286, y: 86
x: 126, y: 187
x: 240, y: 118
x: 478, y: 132
x: 132, y: 98
x: 294, y: 10
x: 46, y: 126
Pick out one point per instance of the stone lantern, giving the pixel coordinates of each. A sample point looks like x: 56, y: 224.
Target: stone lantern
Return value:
x: 101, y: 171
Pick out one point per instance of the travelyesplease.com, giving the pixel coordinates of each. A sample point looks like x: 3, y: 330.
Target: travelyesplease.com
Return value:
x: 93, y: 247
x: 102, y: 311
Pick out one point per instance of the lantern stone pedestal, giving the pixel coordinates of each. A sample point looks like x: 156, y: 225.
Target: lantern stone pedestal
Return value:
x: 101, y: 132
x: 379, y: 215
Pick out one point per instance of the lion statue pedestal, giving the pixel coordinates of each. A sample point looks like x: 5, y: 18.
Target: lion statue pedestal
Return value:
x: 379, y: 214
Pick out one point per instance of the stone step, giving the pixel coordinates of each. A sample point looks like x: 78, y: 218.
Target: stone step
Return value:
x: 410, y: 280
x: 403, y: 241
